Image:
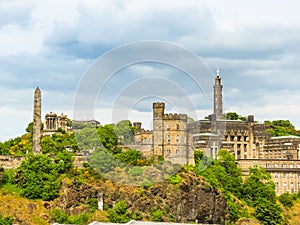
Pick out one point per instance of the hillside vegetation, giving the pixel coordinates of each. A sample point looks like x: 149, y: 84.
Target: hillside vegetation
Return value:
x: 47, y: 187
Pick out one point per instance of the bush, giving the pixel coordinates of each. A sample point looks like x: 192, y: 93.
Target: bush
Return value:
x: 136, y: 171
x: 119, y: 214
x: 93, y: 204
x: 286, y: 199
x: 38, y: 178
x: 146, y: 184
x: 268, y: 213
x: 80, y: 219
x: 5, y: 220
x: 157, y: 215
x: 59, y: 216
x: 8, y: 176
x: 176, y: 179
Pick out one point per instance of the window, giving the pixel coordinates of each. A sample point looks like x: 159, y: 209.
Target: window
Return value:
x: 177, y: 126
x: 168, y: 127
x: 275, y: 165
x: 267, y: 165
x: 231, y: 138
x: 283, y: 166
x: 177, y: 151
x: 168, y: 139
x: 239, y: 138
x: 277, y: 185
x: 168, y: 152
x: 291, y: 175
x: 284, y: 175
x: 298, y: 165
x: 292, y: 184
x: 177, y: 139
x: 291, y: 165
x: 284, y: 184
x: 276, y: 175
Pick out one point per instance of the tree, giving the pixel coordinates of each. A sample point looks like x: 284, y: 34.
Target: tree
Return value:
x: 286, y: 200
x: 268, y: 213
x: 281, y: 128
x: 234, y: 116
x: 64, y: 161
x: 29, y: 128
x: 88, y: 138
x: 130, y: 157
x: 124, y: 131
x: 103, y: 161
x: 109, y: 138
x: 119, y: 214
x: 233, y: 172
x: 260, y: 181
x: 38, y: 177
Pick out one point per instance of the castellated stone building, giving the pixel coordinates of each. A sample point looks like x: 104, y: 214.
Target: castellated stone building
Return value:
x: 170, y: 137
x: 176, y: 140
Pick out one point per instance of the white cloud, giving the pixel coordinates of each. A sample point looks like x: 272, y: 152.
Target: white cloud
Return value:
x: 51, y: 43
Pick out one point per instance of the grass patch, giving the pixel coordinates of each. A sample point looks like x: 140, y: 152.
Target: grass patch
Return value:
x: 9, y: 188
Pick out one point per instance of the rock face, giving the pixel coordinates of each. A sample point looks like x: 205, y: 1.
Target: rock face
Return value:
x: 191, y: 200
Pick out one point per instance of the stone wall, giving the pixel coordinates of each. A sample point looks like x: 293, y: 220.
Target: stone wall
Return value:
x: 10, y: 162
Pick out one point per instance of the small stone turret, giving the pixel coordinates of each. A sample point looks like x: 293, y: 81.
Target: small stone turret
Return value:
x: 37, y: 121
x: 158, y: 110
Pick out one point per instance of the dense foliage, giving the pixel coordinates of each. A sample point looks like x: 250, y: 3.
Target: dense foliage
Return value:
x: 39, y: 177
x: 226, y: 175
x: 234, y: 116
x: 281, y: 128
x: 5, y: 220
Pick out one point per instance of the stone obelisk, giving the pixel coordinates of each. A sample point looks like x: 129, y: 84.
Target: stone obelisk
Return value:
x: 37, y: 121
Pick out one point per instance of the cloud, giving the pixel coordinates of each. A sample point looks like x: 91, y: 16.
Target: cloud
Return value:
x: 52, y: 43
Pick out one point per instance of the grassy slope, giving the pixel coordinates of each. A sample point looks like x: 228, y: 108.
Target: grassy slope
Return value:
x: 294, y: 213
x: 22, y: 210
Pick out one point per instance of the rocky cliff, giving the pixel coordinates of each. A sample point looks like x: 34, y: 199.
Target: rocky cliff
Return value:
x: 191, y: 200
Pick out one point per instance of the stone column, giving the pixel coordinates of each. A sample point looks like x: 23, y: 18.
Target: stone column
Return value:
x: 218, y: 105
x: 36, y: 137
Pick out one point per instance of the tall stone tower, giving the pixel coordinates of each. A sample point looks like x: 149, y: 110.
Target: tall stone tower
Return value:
x: 37, y: 121
x: 158, y: 128
x: 218, y: 105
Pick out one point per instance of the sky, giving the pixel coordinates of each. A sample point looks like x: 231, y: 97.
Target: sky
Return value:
x: 56, y: 45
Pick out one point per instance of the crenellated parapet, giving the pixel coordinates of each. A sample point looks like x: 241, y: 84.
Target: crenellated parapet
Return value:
x: 175, y: 116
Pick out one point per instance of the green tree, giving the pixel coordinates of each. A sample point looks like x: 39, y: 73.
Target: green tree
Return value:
x: 64, y: 161
x: 5, y: 220
x: 38, y: 177
x: 103, y: 161
x: 258, y: 185
x: 281, y: 128
x: 119, y: 214
x: 87, y: 138
x: 234, y: 180
x: 234, y: 116
x: 286, y: 200
x: 198, y: 156
x: 268, y: 213
x: 130, y: 157
x: 124, y: 131
x: 109, y: 138
x: 29, y: 128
